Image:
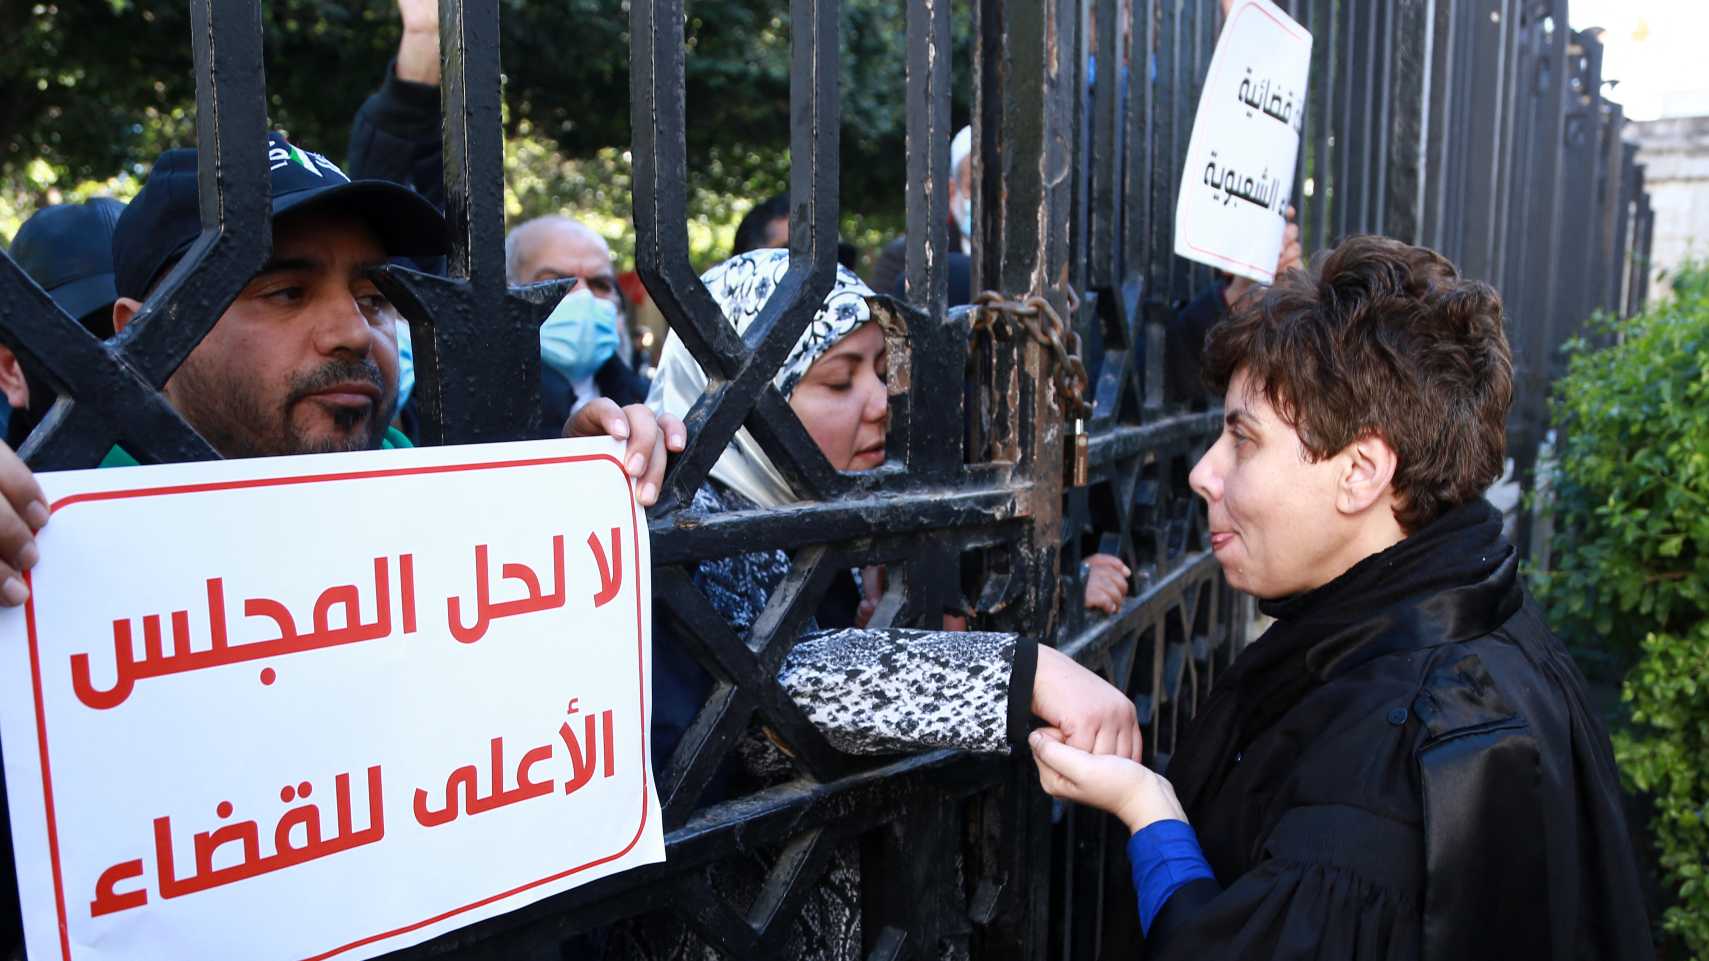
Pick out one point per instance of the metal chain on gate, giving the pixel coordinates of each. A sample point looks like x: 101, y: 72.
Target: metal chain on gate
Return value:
x: 1035, y: 317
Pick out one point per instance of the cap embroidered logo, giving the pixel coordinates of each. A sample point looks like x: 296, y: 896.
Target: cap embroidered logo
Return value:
x: 280, y: 153
x: 303, y: 160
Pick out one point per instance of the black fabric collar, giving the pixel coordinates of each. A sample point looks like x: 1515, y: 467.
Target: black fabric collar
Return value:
x: 1455, y: 580
x: 1452, y: 581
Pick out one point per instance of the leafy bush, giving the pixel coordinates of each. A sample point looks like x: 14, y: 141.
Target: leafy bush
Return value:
x: 1631, y: 561
x: 1665, y: 757
x: 1631, y: 501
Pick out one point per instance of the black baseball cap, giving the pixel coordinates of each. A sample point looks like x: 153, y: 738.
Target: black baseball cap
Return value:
x: 68, y: 249
x: 165, y: 218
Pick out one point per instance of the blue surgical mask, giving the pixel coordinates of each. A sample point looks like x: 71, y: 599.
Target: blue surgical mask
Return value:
x: 963, y: 211
x: 406, y: 364
x: 580, y: 335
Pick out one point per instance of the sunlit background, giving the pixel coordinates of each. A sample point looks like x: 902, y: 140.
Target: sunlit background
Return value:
x: 1654, y: 65
x: 1654, y: 49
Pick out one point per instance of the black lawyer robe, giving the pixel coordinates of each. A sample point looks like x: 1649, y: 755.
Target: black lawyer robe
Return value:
x: 1405, y: 766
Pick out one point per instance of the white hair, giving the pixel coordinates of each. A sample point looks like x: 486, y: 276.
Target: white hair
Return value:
x: 960, y: 148
x: 516, y: 242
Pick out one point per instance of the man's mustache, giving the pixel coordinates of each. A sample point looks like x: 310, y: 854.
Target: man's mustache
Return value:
x: 335, y: 373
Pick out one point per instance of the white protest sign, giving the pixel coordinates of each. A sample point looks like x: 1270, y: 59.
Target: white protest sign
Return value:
x: 326, y: 707
x: 1240, y: 164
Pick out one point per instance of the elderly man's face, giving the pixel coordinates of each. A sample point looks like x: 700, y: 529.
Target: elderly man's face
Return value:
x: 557, y: 253
x: 306, y: 359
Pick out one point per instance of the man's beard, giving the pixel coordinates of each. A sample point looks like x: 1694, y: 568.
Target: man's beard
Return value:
x: 237, y: 422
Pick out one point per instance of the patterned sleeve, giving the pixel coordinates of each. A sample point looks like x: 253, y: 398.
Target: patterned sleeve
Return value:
x: 877, y: 691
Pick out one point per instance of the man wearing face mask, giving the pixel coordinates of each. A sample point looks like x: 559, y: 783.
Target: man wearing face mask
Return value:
x: 582, y: 342
x: 586, y: 350
x: 578, y: 350
x: 583, y: 350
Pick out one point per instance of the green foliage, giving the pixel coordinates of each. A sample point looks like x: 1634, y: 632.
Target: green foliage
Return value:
x: 1631, y: 502
x: 1631, y: 555
x: 92, y: 90
x: 96, y: 88
x: 39, y: 184
x: 1664, y: 757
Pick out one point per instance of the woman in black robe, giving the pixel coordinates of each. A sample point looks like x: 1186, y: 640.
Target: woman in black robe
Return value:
x: 1404, y: 765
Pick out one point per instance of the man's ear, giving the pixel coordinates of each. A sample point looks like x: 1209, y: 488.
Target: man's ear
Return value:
x: 12, y: 383
x: 1368, y: 477
x: 124, y: 309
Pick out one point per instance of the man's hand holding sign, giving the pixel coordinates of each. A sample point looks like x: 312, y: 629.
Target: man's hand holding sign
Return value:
x: 23, y: 513
x: 334, y: 694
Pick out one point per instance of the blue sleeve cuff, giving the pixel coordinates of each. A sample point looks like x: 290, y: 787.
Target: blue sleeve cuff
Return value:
x: 1165, y: 857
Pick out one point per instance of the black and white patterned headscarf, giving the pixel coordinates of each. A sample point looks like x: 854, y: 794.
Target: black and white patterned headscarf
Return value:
x: 741, y: 286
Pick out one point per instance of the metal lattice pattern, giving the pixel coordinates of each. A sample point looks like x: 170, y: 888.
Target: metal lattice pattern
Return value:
x: 1076, y: 163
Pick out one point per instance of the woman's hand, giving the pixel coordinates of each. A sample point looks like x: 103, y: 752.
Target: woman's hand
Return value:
x: 1106, y: 583
x: 1131, y: 791
x: 1090, y: 714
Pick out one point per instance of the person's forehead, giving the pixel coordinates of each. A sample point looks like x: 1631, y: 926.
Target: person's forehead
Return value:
x: 325, y: 235
x: 1246, y: 400
x: 561, y: 248
x: 865, y: 339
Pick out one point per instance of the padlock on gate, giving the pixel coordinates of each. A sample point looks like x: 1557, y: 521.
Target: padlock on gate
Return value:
x: 1078, y: 454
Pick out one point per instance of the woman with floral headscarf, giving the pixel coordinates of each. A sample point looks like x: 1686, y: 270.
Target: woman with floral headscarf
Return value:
x: 868, y: 690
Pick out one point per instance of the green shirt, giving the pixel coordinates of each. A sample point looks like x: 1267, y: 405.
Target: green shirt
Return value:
x: 119, y: 457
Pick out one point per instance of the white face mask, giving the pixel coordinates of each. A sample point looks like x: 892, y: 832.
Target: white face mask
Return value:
x: 580, y: 335
x: 406, y: 364
x: 962, y: 209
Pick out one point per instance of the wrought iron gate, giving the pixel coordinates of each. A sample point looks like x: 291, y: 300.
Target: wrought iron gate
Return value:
x: 1472, y: 125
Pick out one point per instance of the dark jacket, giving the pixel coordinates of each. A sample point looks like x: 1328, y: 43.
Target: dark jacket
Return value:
x: 614, y: 378
x: 1405, y: 766
x: 1184, y: 346
x: 890, y: 269
x: 395, y: 137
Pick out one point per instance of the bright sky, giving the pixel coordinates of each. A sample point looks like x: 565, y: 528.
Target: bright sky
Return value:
x: 1655, y: 48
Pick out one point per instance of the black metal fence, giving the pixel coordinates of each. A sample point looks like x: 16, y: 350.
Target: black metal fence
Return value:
x: 1475, y: 126
x: 1478, y: 127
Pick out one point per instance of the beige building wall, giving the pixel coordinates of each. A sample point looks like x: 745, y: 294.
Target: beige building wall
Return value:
x: 1675, y: 155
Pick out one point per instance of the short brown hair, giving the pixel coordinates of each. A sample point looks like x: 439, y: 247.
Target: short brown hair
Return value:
x: 1384, y: 338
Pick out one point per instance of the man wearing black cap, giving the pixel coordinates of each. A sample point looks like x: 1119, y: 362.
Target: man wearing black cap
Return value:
x: 68, y: 250
x: 305, y: 360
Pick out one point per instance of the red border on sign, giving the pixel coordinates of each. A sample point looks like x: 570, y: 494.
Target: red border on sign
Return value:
x: 41, y: 717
